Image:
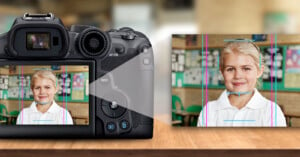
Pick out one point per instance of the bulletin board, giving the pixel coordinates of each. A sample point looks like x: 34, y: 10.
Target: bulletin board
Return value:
x: 194, y: 74
x: 74, y: 87
x: 286, y: 67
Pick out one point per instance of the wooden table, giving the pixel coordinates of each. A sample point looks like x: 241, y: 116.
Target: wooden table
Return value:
x: 167, y: 141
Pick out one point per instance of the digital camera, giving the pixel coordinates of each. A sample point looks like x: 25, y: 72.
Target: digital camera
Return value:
x: 105, y: 80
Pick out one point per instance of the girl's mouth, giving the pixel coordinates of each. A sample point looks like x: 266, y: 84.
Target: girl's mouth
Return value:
x: 42, y: 97
x: 238, y: 83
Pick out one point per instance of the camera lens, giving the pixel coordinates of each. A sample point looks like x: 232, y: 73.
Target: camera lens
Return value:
x: 94, y: 43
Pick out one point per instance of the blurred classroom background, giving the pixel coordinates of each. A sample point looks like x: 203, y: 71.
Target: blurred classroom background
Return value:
x: 159, y: 19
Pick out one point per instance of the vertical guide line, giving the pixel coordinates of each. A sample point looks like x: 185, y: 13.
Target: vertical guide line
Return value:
x: 206, y: 99
x: 202, y: 75
x: 63, y: 91
x: 272, y: 99
x: 22, y: 91
x: 276, y: 80
x: 19, y: 73
x: 66, y: 107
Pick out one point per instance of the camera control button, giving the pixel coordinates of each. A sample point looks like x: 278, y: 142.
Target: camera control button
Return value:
x: 120, y: 50
x: 113, y: 105
x: 112, y: 109
x: 124, y: 124
x: 129, y: 36
x: 111, y: 126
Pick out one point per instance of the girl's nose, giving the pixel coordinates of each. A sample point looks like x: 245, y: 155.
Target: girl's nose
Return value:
x: 42, y: 90
x: 238, y: 74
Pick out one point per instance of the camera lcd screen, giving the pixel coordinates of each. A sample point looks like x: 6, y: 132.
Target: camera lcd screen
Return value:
x: 44, y: 94
x: 38, y: 41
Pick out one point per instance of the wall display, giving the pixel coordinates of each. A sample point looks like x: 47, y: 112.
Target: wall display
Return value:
x: 19, y: 87
x: 275, y: 56
x: 64, y: 81
x: 292, y: 67
x: 78, y: 86
x: 3, y: 82
x: 178, y: 60
x: 195, y: 66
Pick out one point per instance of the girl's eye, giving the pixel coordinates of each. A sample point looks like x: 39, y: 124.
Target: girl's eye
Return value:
x: 229, y: 69
x: 247, y: 69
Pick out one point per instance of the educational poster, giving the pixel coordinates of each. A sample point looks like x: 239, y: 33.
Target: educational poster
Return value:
x: 192, y: 76
x: 64, y: 81
x: 13, y: 81
x: 78, y: 86
x: 178, y: 60
x: 19, y: 87
x: 292, y: 68
x: 4, y: 82
x: 13, y: 87
x: 275, y: 56
x: 194, y: 70
x: 192, y: 59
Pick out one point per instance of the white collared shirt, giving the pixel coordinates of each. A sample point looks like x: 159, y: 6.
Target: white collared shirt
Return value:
x: 258, y: 112
x: 54, y: 116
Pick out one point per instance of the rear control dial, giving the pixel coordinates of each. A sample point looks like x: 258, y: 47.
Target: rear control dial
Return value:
x: 112, y: 109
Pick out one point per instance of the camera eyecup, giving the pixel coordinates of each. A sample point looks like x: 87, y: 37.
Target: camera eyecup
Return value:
x: 94, y: 43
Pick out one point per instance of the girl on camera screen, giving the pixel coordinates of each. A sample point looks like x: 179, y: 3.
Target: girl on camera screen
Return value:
x: 44, y: 110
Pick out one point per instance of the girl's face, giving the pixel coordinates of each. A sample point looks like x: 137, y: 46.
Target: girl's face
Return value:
x: 240, y: 72
x: 44, y: 91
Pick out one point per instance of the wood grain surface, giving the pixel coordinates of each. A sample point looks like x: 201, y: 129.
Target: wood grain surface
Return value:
x: 168, y: 137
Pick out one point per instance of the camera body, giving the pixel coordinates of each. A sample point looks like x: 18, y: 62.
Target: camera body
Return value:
x: 120, y: 74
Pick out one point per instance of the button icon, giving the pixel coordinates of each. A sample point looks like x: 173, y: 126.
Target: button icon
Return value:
x: 111, y: 126
x: 124, y: 124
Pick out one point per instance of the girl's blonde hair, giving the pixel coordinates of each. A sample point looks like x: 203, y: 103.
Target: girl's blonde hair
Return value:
x: 244, y: 47
x: 44, y: 74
